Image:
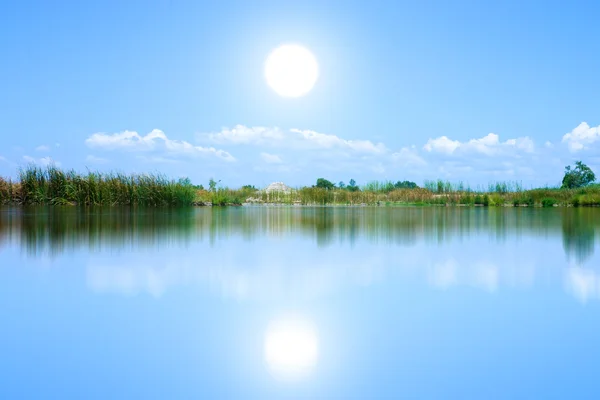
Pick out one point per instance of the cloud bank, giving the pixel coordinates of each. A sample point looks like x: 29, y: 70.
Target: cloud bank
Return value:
x: 155, y: 141
x: 296, y: 139
x: 488, y: 145
x: 297, y: 155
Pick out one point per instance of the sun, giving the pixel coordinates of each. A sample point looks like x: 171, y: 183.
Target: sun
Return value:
x: 291, y: 70
x: 291, y: 348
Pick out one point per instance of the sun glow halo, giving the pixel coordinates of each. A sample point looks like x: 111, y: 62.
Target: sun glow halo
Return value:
x: 291, y: 70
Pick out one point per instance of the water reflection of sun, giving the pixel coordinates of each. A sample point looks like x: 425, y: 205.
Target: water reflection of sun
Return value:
x: 291, y: 348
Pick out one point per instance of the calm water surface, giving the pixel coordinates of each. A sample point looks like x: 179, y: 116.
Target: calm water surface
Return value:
x: 280, y: 302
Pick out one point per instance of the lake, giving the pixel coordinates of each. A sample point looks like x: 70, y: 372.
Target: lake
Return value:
x: 299, y: 302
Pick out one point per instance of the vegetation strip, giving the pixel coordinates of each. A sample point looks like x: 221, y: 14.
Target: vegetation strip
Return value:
x: 53, y: 186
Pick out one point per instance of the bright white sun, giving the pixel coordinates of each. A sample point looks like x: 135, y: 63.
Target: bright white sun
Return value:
x: 291, y: 348
x: 291, y: 70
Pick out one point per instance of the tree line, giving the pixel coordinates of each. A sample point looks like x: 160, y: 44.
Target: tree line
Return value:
x: 575, y: 177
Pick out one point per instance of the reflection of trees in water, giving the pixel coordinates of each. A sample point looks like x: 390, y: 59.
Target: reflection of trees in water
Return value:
x: 52, y: 230
x: 578, y: 233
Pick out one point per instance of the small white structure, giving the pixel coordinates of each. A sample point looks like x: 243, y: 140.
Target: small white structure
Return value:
x: 278, y: 187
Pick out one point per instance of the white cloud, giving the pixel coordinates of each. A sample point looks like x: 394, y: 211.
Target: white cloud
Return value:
x: 42, y: 147
x: 408, y: 157
x: 153, y: 141
x: 44, y: 161
x: 241, y: 134
x: 157, y: 159
x: 127, y: 139
x: 581, y: 137
x: 270, y: 158
x: 524, y: 143
x: 296, y: 139
x: 487, y: 145
x: 441, y: 145
x: 325, y: 141
x: 96, y: 160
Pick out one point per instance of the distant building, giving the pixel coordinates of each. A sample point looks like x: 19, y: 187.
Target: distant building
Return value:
x: 278, y: 187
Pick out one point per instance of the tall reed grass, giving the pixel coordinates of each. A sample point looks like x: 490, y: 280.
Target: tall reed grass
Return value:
x: 53, y: 186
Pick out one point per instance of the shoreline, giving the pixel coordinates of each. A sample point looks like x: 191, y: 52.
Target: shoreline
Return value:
x: 53, y: 186
x: 392, y: 205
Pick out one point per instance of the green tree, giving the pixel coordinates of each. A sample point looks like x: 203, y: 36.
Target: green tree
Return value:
x: 578, y: 177
x: 185, y: 182
x: 342, y: 185
x: 212, y: 184
x: 405, y: 185
x: 324, y: 184
x: 249, y: 187
x: 352, y: 186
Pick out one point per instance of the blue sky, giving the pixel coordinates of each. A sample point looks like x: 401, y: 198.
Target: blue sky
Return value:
x: 469, y: 91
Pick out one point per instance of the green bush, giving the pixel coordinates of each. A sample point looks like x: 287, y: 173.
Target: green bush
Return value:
x: 589, y: 200
x: 523, y: 200
x: 529, y: 201
x: 405, y: 185
x: 549, y: 202
x: 466, y: 199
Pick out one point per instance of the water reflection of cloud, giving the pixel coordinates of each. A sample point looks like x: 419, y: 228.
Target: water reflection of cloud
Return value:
x: 582, y: 283
x: 482, y: 274
x: 232, y: 281
x: 272, y: 280
x: 131, y: 280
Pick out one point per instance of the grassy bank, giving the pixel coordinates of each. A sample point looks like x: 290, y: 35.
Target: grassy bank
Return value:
x: 547, y: 197
x: 53, y: 186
